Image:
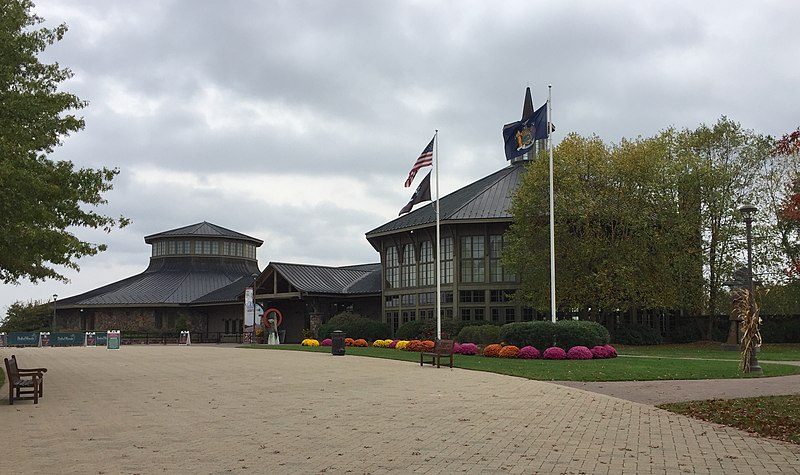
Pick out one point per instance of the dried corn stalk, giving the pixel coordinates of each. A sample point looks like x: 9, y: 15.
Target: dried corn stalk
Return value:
x: 746, y: 310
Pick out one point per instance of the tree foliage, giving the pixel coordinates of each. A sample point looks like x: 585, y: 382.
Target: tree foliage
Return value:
x: 625, y: 236
x: 43, y: 200
x: 25, y: 317
x: 787, y: 204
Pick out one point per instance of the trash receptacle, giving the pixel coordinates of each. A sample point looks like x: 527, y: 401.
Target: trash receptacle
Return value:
x: 337, y: 343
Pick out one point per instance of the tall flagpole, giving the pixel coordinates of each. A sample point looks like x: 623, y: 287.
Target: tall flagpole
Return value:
x: 552, y: 215
x: 438, y: 243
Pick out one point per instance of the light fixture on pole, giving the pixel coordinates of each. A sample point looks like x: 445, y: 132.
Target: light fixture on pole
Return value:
x: 253, y: 337
x: 748, y: 211
x: 53, y: 326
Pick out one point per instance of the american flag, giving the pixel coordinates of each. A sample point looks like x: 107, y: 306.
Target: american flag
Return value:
x: 425, y: 160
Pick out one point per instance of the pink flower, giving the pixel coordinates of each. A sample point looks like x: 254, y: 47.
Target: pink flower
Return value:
x: 325, y: 342
x: 555, y: 353
x: 468, y: 349
x: 579, y: 353
x: 529, y: 353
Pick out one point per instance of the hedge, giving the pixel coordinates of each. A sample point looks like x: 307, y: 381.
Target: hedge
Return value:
x: 564, y: 334
x: 480, y: 334
x: 355, y: 326
x: 637, y: 335
x: 426, y: 330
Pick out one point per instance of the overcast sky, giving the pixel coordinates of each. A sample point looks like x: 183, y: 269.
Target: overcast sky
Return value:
x: 296, y: 122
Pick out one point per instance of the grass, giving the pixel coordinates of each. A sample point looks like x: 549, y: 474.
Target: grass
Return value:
x: 769, y: 416
x: 615, y: 369
x: 711, y: 350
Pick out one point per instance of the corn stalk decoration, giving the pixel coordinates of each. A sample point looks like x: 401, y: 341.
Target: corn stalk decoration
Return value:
x: 746, y: 310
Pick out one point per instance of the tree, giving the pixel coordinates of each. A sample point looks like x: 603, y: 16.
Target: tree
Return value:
x: 26, y: 317
x: 43, y: 200
x: 787, y: 205
x: 624, y: 237
x: 723, y: 164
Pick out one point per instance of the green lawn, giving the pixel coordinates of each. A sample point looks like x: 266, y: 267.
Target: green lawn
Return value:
x: 615, y: 369
x: 711, y: 350
x: 770, y: 416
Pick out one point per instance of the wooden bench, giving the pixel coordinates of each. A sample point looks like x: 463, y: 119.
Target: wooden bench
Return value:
x: 24, y: 383
x: 443, y: 349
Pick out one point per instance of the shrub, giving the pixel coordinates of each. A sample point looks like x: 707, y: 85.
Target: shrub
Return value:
x: 426, y: 345
x: 326, y: 342
x: 555, y: 353
x: 611, y: 350
x: 401, y: 345
x: 529, y: 353
x: 579, y: 353
x: 564, y: 333
x: 355, y: 326
x: 509, y: 351
x: 480, y: 334
x: 379, y: 344
x: 413, y: 345
x: 601, y: 352
x: 426, y: 329
x: 492, y: 351
x: 309, y: 342
x: 393, y: 344
x: 571, y: 333
x: 456, y: 347
x: 360, y: 342
x: 348, y: 342
x: 468, y: 349
x: 637, y: 335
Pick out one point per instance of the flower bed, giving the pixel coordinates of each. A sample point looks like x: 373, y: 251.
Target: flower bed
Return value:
x: 309, y: 342
x: 361, y: 343
x: 529, y: 353
x: 326, y: 342
x: 492, y: 351
x: 468, y: 349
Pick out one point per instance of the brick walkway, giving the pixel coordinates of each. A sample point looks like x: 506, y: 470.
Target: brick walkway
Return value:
x: 205, y: 409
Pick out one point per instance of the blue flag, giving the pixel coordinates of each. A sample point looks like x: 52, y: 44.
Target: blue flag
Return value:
x: 520, y: 136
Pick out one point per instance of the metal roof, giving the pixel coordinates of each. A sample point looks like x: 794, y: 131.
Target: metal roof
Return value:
x: 486, y: 199
x: 204, y: 229
x: 358, y: 279
x: 172, y: 281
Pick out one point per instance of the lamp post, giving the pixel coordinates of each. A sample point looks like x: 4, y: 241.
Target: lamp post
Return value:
x: 253, y: 336
x: 53, y: 326
x: 748, y: 211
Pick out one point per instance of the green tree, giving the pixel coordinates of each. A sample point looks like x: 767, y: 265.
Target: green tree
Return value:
x: 723, y: 164
x: 43, y: 200
x: 622, y: 238
x: 25, y: 317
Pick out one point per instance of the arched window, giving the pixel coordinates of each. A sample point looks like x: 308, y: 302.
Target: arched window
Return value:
x: 409, y: 267
x: 392, y: 268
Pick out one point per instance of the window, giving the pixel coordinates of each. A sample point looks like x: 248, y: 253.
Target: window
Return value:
x: 470, y: 296
x: 497, y: 273
x: 447, y: 297
x: 527, y: 314
x: 446, y: 259
x: 226, y: 248
x: 409, y: 267
x: 392, y: 268
x: 426, y: 264
x: 391, y: 301
x: 510, y: 315
x: 393, y: 319
x: 427, y: 298
x: 215, y: 247
x: 409, y: 316
x: 408, y: 300
x: 495, y: 314
x: 499, y: 296
x: 472, y: 265
x: 476, y: 314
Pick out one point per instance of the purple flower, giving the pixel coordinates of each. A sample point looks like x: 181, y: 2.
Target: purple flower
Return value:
x: 529, y: 353
x: 555, y: 353
x: 612, y: 350
x: 579, y: 353
x: 468, y: 349
x: 325, y: 342
x: 600, y: 352
x: 393, y: 344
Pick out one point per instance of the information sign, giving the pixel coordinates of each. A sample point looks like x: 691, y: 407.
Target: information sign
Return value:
x: 113, y: 338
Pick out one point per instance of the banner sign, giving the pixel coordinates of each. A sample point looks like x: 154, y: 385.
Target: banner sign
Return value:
x: 3, y: 340
x: 91, y: 339
x: 102, y: 338
x: 44, y: 339
x: 23, y: 339
x: 67, y: 339
x: 113, y: 339
x: 185, y: 338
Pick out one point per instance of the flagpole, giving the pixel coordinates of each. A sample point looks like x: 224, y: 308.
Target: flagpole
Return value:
x: 552, y: 215
x: 438, y: 242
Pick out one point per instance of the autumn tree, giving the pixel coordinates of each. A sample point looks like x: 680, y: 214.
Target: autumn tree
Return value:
x: 44, y: 201
x: 787, y: 208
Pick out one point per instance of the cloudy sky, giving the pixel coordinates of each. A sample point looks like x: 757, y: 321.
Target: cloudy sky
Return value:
x: 296, y: 121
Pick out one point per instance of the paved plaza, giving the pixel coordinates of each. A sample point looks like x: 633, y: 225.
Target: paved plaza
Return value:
x: 217, y: 410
